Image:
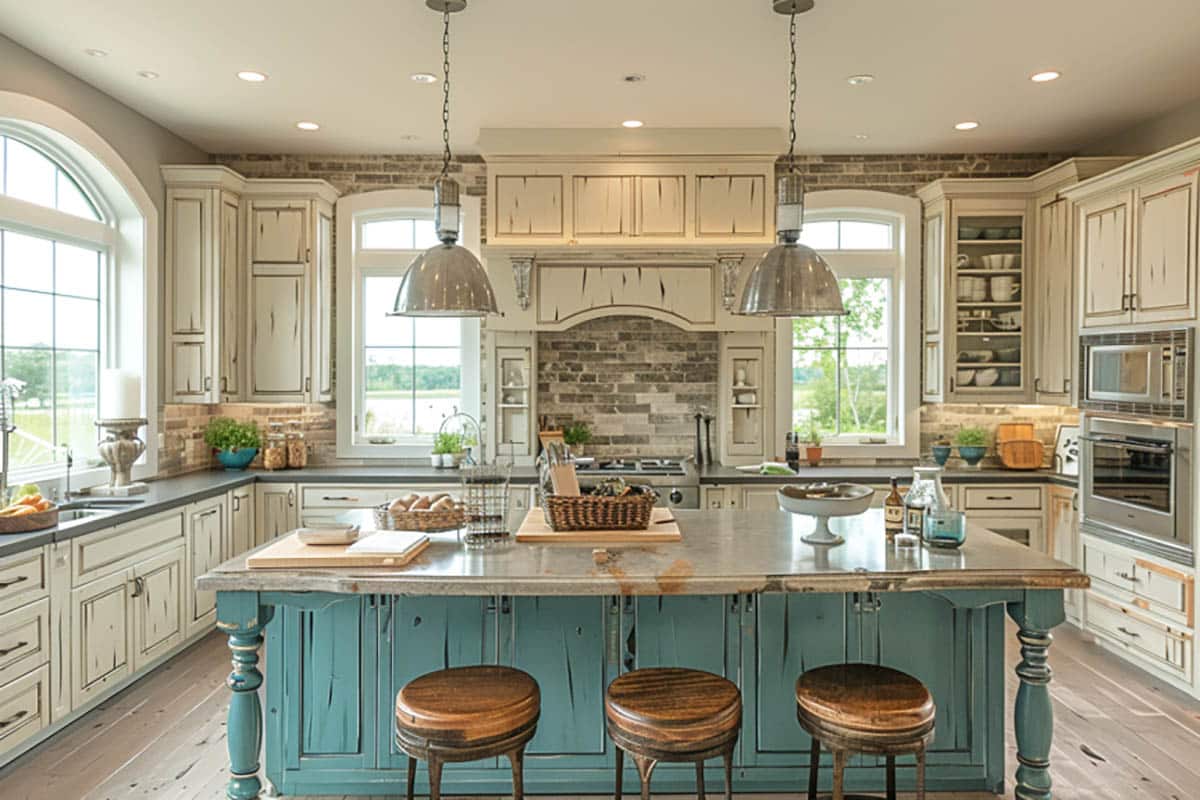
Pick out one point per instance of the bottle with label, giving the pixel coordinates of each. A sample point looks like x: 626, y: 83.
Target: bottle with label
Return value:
x: 893, y: 511
x: 792, y: 451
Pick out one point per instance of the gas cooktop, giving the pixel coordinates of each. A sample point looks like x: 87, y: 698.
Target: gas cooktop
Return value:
x: 632, y: 466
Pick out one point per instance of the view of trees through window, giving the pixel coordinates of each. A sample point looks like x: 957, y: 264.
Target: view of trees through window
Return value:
x: 840, y: 364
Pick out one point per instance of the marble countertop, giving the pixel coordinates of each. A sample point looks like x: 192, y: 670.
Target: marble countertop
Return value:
x: 722, y: 552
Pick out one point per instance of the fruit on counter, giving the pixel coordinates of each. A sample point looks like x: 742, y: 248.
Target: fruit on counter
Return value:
x: 413, y: 502
x: 26, y: 504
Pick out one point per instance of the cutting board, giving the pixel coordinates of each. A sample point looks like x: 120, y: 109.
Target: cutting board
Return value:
x: 535, y: 530
x: 290, y: 553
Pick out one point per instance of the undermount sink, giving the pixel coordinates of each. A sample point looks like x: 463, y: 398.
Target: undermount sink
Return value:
x: 99, y: 505
x: 77, y: 514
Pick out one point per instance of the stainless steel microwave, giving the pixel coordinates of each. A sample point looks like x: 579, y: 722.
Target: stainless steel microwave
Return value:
x: 1142, y: 373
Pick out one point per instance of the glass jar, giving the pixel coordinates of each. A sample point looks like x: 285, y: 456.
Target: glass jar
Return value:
x: 297, y: 448
x: 275, y: 451
x: 926, y: 494
x: 945, y: 528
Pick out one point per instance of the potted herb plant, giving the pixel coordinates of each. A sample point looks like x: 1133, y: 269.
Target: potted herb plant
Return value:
x: 235, y: 443
x: 813, y: 450
x: 577, y: 435
x: 941, y: 451
x: 446, y: 446
x: 972, y: 445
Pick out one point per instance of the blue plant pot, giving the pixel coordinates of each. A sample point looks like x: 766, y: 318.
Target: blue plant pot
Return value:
x: 941, y: 453
x: 971, y: 455
x: 236, y: 460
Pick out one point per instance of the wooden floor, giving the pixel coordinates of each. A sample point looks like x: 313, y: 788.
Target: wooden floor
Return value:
x: 1120, y: 735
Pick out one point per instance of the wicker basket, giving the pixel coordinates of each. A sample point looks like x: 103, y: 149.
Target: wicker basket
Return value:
x: 592, y: 513
x: 424, y: 520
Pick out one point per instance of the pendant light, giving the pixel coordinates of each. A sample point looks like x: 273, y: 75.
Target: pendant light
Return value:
x: 791, y: 280
x: 446, y: 280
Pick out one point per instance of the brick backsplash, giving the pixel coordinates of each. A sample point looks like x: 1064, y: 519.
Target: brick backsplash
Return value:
x: 642, y: 379
x: 943, y: 421
x: 635, y: 381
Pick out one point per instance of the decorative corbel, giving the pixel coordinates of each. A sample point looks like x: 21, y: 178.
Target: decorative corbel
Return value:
x: 731, y: 264
x: 522, y: 267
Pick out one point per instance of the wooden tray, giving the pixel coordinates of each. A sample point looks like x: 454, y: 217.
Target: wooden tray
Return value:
x: 30, y: 522
x: 290, y: 553
x: 535, y: 530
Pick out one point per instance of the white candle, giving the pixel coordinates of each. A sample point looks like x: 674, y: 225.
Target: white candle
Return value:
x: 120, y: 394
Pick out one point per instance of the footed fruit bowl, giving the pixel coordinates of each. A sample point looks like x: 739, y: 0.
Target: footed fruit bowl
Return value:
x: 825, y: 500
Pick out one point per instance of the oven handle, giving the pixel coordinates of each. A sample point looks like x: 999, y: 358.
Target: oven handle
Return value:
x: 1137, y: 447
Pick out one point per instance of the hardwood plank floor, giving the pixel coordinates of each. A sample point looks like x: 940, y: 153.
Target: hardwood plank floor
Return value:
x: 1120, y: 734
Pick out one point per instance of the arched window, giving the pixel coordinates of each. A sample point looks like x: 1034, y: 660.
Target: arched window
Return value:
x: 849, y: 378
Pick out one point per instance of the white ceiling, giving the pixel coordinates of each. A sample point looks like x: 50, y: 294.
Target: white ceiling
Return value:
x: 558, y: 63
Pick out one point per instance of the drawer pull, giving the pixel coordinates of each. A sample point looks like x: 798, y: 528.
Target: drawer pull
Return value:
x: 14, y: 581
x: 1126, y: 576
x: 4, y: 723
x: 13, y: 649
x: 998, y: 497
x: 341, y: 498
x: 1128, y: 632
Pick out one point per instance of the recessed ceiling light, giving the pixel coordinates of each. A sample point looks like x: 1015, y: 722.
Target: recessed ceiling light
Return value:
x: 1045, y: 77
x: 860, y: 80
x: 633, y: 77
x: 251, y: 76
x: 423, y: 77
x: 969, y: 125
x: 861, y: 136
x: 633, y: 123
x: 148, y: 74
x: 308, y: 126
x: 96, y: 52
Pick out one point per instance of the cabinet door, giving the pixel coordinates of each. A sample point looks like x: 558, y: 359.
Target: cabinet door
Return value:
x: 760, y: 498
x: 188, y: 257
x: 322, y: 310
x: 229, y: 255
x: 278, y: 233
x: 731, y: 205
x: 683, y: 631
x: 190, y: 382
x: 601, y: 205
x: 933, y: 273
x: 659, y: 205
x: 1062, y: 536
x: 24, y: 707
x: 1105, y: 262
x: 1164, y: 276
x: 206, y: 537
x: 277, y: 332
x: 276, y: 511
x: 158, y: 606
x: 1026, y: 530
x: 529, y: 205
x: 101, y: 640
x: 1055, y: 325
x: 931, y: 373
x: 241, y: 520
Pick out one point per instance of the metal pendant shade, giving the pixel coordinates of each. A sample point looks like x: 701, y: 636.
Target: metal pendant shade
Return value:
x: 446, y: 280
x: 791, y: 280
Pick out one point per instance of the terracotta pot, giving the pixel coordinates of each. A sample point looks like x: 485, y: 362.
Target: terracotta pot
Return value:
x: 813, y: 454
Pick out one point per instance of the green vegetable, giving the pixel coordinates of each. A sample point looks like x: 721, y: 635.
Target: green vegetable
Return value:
x: 26, y: 490
x: 577, y: 433
x: 223, y: 433
x: 971, y: 437
x: 446, y: 443
x: 774, y: 469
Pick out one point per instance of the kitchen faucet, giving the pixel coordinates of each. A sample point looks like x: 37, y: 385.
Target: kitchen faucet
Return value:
x: 70, y: 463
x: 10, y: 388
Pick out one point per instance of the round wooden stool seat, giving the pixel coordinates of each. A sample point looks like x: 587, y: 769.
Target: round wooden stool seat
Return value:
x: 674, y: 709
x: 467, y: 706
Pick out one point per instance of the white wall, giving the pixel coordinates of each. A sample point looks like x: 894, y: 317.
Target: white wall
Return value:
x: 1152, y: 135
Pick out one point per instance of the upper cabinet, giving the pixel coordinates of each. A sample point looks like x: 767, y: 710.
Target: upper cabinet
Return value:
x: 249, y: 287
x: 1136, y: 241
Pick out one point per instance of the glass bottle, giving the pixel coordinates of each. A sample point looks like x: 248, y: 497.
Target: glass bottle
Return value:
x: 297, y: 448
x: 926, y: 494
x: 792, y: 451
x: 893, y: 511
x: 275, y: 451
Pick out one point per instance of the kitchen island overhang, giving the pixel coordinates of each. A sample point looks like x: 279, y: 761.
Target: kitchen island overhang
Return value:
x: 741, y: 596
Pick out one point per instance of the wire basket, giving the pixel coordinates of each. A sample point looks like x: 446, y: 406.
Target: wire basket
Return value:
x: 485, y: 503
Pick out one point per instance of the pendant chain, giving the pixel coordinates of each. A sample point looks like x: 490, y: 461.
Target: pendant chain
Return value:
x: 792, y: 97
x: 446, y: 89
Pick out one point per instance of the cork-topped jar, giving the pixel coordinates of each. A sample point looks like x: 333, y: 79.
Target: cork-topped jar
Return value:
x: 297, y: 447
x: 275, y: 452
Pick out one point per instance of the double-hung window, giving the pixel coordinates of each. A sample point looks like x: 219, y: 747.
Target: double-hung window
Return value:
x: 54, y: 247
x: 851, y: 378
x: 408, y: 373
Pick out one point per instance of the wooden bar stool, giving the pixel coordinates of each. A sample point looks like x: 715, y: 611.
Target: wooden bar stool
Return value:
x: 465, y: 714
x: 864, y: 708
x: 673, y: 715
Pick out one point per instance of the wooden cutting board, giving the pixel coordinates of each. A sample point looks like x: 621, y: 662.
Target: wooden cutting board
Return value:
x: 535, y: 530
x: 290, y: 553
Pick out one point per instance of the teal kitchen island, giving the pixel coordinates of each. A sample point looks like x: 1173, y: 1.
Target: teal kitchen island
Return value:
x: 740, y: 596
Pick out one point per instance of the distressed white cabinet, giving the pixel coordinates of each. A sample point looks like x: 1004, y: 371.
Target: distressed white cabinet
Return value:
x: 1013, y: 511
x: 101, y: 619
x: 745, y: 418
x: 1054, y: 323
x: 933, y: 303
x: 203, y: 284
x: 276, y: 511
x: 602, y: 206
x: 157, y: 617
x: 1062, y: 535
x: 659, y: 205
x: 321, y: 346
x: 207, y: 522
x: 241, y: 520
x: 511, y: 400
x: 278, y: 326
x: 732, y: 205
x: 1164, y: 278
x: 24, y: 707
x: 528, y: 206
x: 1105, y: 235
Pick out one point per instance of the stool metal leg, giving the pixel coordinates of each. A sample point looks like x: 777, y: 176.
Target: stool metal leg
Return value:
x: 517, y: 759
x: 891, y: 778
x: 920, y: 775
x: 435, y: 779
x: 699, y: 780
x: 645, y: 767
x: 412, y: 775
x: 814, y: 767
x: 839, y: 774
x: 620, y: 771
x: 727, y: 757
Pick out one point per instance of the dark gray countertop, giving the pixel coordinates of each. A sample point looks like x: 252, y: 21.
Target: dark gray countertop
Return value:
x: 880, y: 474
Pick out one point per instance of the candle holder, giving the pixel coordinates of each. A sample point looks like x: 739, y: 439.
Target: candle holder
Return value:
x: 119, y: 449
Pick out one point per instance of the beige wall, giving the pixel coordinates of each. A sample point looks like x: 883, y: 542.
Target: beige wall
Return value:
x: 1153, y: 135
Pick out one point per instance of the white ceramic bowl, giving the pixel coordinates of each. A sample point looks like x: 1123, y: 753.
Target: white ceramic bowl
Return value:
x: 842, y: 500
x: 987, y: 377
x: 965, y: 377
x: 1001, y: 261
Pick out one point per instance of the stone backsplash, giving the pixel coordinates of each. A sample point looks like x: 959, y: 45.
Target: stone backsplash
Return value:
x: 943, y: 421
x: 183, y: 426
x: 635, y: 381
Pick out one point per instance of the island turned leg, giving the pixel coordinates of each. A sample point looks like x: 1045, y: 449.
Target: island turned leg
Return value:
x: 1033, y: 716
x: 242, y: 619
